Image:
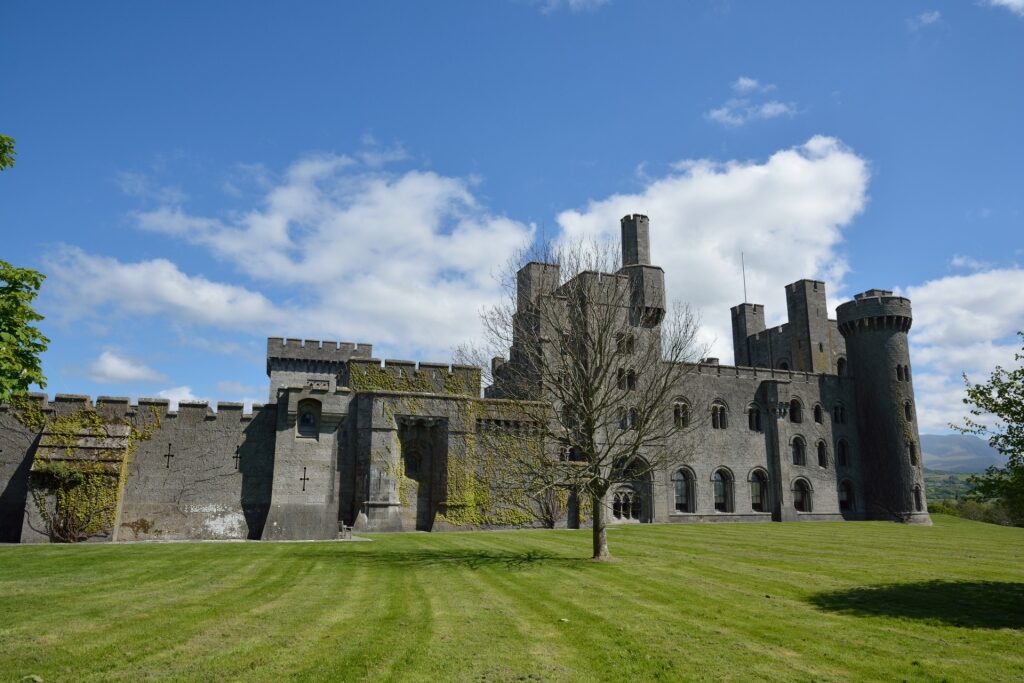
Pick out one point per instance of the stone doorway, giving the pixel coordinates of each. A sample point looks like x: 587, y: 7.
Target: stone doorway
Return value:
x: 422, y: 462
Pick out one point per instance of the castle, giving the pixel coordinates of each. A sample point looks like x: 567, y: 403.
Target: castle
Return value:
x: 815, y: 421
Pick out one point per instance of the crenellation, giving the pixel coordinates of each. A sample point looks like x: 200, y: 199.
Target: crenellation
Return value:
x: 350, y: 439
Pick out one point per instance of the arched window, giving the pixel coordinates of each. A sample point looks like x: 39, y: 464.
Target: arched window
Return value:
x: 799, y: 451
x: 899, y: 373
x: 846, y: 502
x: 783, y: 365
x: 631, y: 418
x: 681, y: 414
x: 722, y: 481
x: 841, y: 367
x: 682, y: 485
x: 759, y: 491
x: 906, y: 373
x: 912, y: 453
x: 908, y: 411
x: 617, y: 506
x: 822, y: 454
x: 719, y: 416
x: 634, y: 508
x: 307, y: 419
x: 802, y: 495
x: 623, y: 421
x: 842, y: 457
x: 754, y: 418
x: 819, y: 416
x: 918, y: 499
x: 839, y: 414
x: 796, y: 411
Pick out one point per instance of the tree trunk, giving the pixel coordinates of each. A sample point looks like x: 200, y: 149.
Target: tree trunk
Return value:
x: 601, y: 551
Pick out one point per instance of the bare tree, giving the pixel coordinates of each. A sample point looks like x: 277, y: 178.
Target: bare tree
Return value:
x: 594, y: 363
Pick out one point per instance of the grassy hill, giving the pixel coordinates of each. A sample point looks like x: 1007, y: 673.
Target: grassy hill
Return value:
x: 825, y: 601
x: 945, y: 485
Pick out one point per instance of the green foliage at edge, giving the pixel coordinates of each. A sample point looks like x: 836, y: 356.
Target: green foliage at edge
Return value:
x: 21, y: 342
x: 1002, y: 396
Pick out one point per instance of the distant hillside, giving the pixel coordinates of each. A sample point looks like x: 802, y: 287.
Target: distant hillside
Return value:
x: 958, y: 453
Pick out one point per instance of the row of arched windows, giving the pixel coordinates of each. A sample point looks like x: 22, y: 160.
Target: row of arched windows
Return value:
x: 720, y: 414
x: 903, y: 373
x: 684, y: 492
x: 799, y: 449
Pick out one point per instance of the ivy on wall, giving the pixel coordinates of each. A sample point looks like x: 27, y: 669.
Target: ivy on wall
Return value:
x: 78, y: 496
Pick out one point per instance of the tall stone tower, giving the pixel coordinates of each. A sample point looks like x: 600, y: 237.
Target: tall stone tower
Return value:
x: 875, y: 326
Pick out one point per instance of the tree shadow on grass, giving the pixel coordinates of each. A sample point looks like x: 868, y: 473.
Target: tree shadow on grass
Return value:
x: 970, y: 604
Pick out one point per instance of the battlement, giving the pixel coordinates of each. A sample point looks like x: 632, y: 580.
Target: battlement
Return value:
x: 874, y: 308
x: 314, y: 349
x: 372, y: 374
x: 744, y: 372
x: 115, y: 407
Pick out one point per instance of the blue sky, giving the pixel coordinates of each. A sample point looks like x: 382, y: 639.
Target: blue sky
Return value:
x: 195, y: 177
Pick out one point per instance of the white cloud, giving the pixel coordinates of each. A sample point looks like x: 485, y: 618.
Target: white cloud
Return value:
x: 924, y: 19
x: 84, y: 284
x: 786, y: 213
x: 1015, y: 6
x: 110, y: 367
x: 739, y: 111
x: 745, y: 84
x: 574, y: 6
x: 968, y: 263
x: 178, y: 394
x: 962, y: 324
x: 140, y: 186
x: 401, y: 260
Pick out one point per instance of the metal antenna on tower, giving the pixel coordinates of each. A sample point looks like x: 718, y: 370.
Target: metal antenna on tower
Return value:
x: 743, y: 267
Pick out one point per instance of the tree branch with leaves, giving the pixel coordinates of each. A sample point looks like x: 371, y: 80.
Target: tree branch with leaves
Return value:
x: 997, y: 413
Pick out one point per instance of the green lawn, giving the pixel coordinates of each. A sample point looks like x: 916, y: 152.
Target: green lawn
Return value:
x: 825, y: 601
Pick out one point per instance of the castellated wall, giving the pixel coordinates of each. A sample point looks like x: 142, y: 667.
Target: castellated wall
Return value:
x: 202, y: 491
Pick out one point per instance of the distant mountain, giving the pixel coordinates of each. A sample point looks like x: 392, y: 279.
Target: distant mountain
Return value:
x: 958, y: 453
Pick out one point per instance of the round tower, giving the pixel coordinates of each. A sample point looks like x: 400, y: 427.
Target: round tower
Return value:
x: 875, y: 326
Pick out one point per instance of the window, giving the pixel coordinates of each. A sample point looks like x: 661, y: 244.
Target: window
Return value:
x: 795, y: 411
x: 624, y: 343
x: 908, y: 411
x: 631, y: 418
x: 799, y: 451
x: 912, y: 454
x: 822, y: 454
x: 307, y: 420
x: 841, y: 367
x: 783, y: 365
x: 719, y: 416
x: 754, y: 418
x: 623, y: 423
x: 842, y: 458
x: 626, y: 379
x: 802, y: 495
x: 918, y: 499
x: 759, y: 491
x: 682, y: 486
x: 722, y: 481
x: 839, y: 414
x: 906, y: 373
x: 631, y: 380
x: 681, y: 414
x: 818, y: 414
x: 626, y: 505
x: 845, y: 496
x: 899, y: 373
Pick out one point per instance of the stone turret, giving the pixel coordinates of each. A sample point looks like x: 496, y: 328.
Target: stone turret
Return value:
x: 875, y: 326
x: 646, y: 281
